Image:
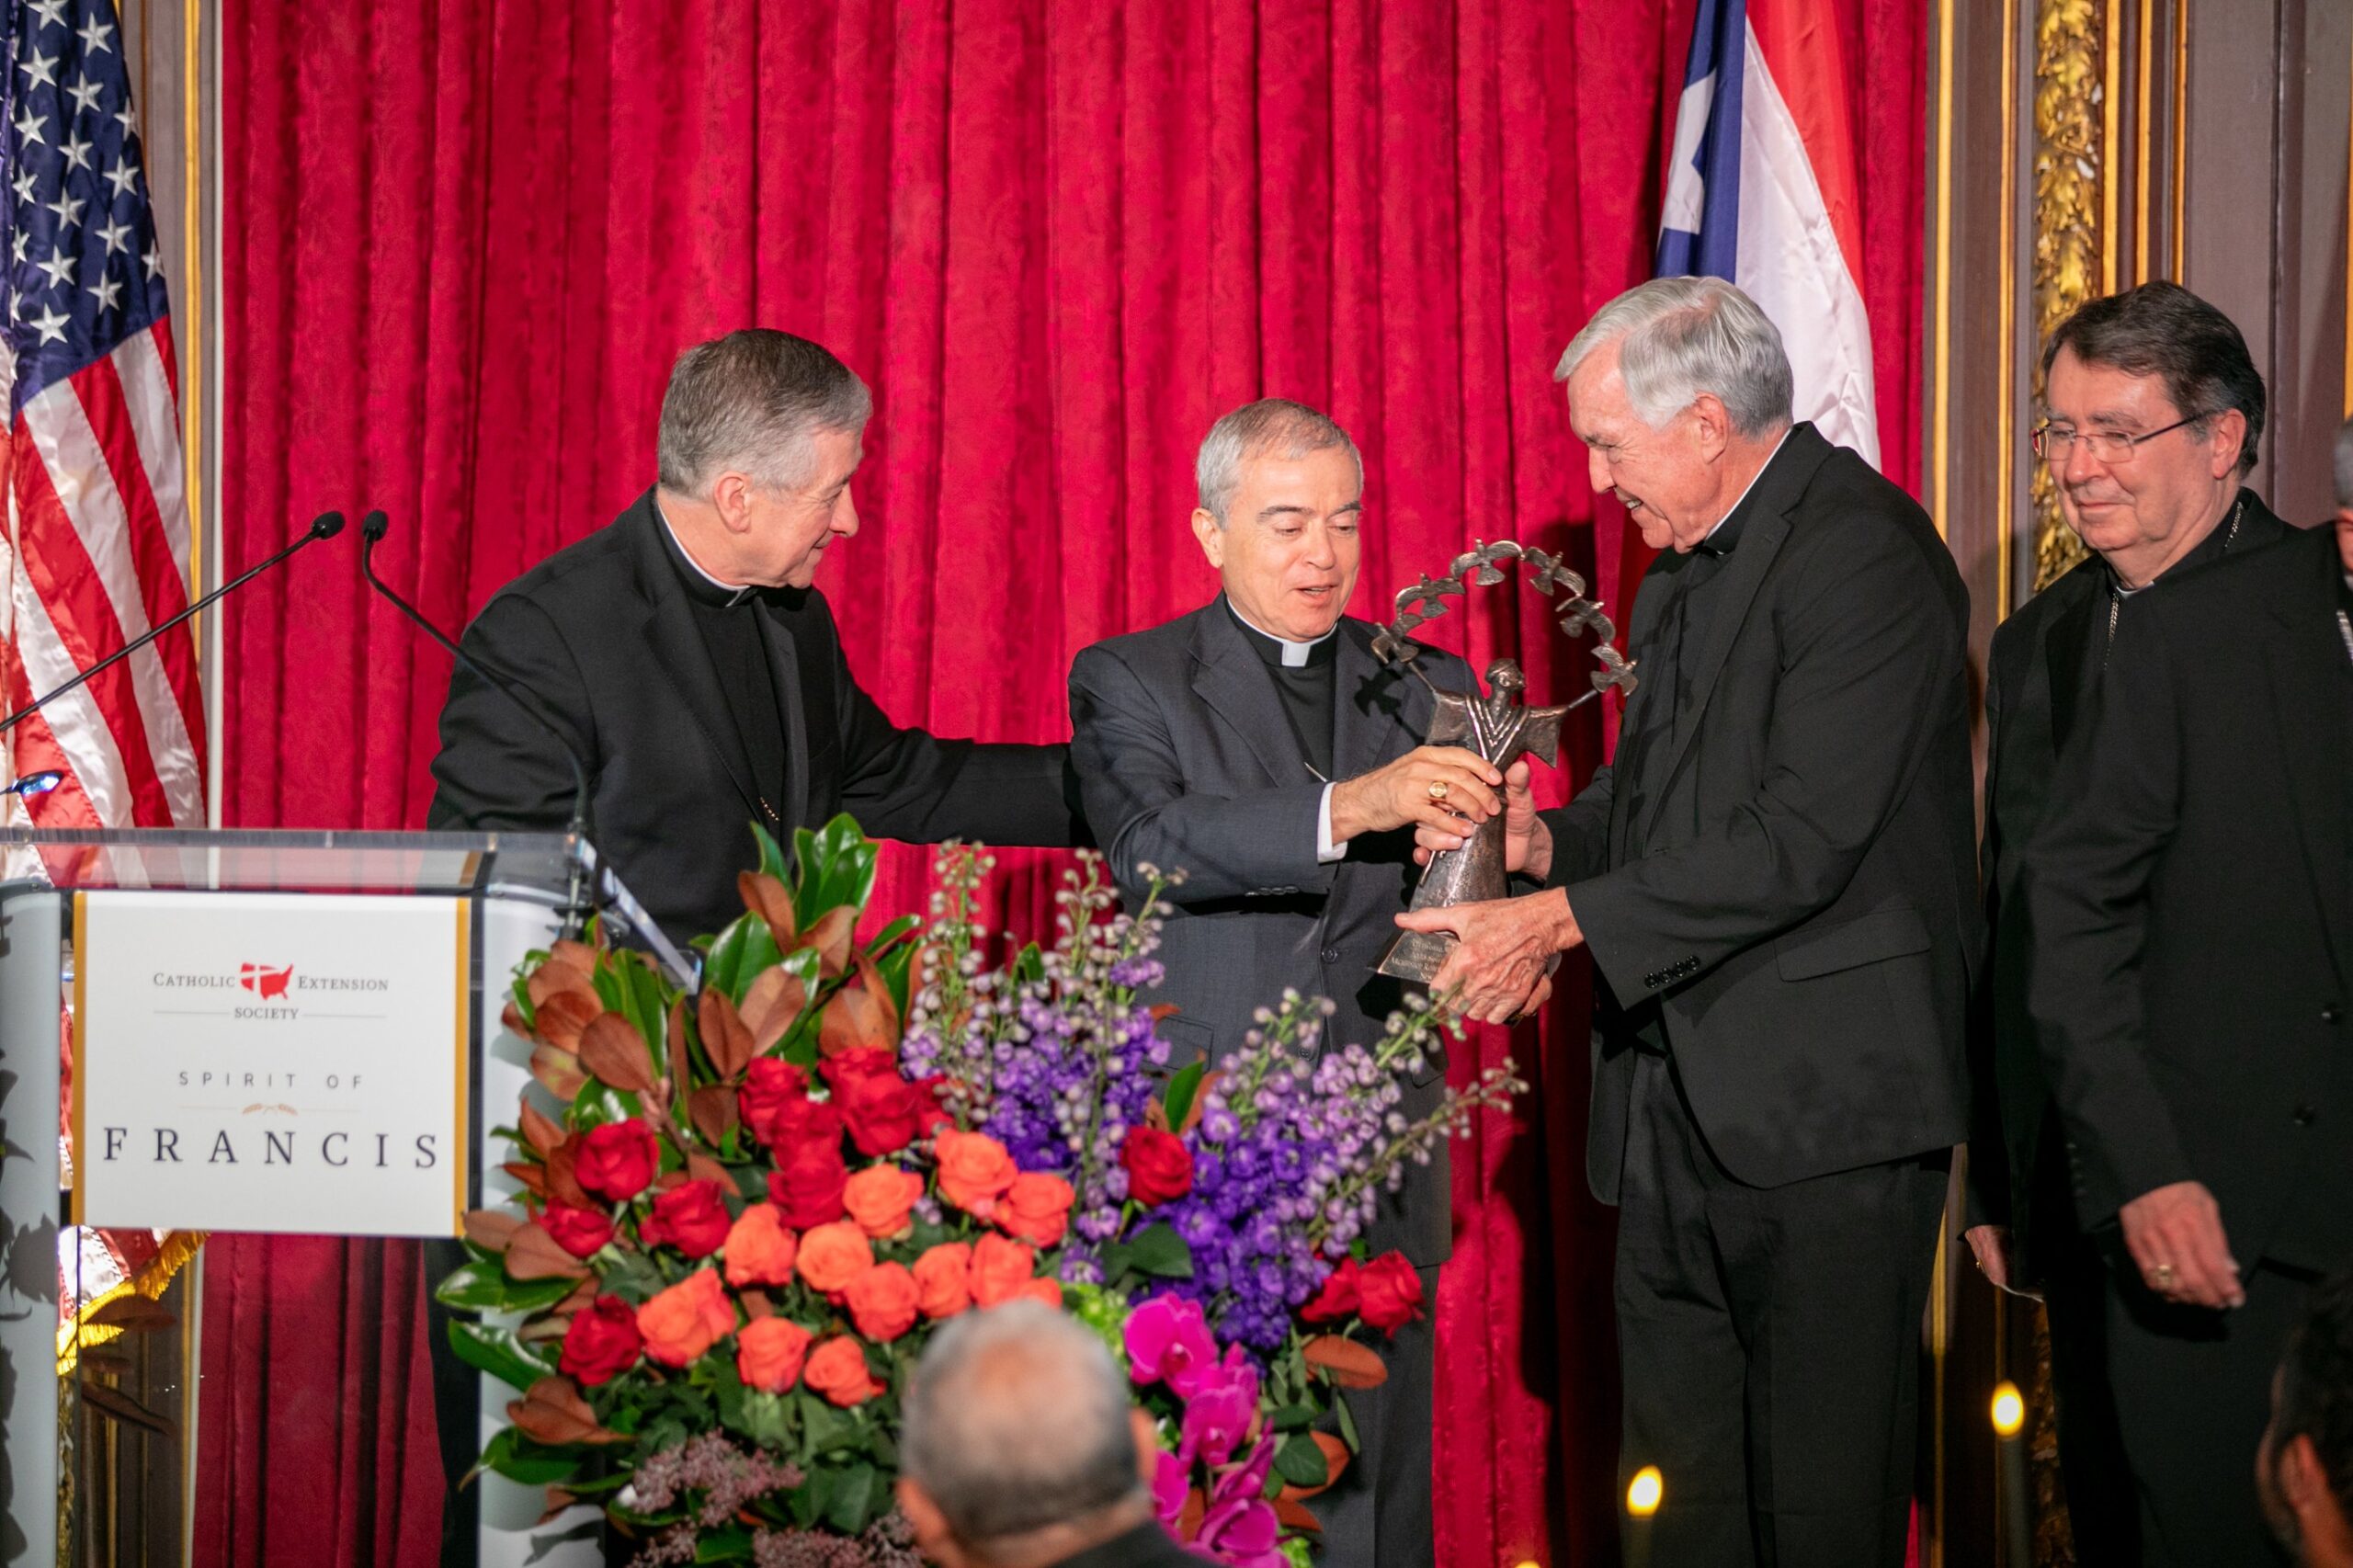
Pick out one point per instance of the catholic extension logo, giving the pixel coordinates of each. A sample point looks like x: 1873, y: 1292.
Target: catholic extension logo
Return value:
x: 265, y: 980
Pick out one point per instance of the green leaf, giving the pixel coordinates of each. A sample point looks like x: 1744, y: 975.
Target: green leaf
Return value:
x: 517, y: 1457
x: 1158, y: 1249
x: 739, y: 954
x: 1293, y: 1418
x: 825, y: 1429
x: 497, y: 1352
x: 521, y: 991
x: 838, y: 864
x: 897, y: 965
x: 483, y: 1286
x: 1300, y: 1462
x: 733, y: 1544
x: 1348, y: 1422
x: 1030, y: 967
x: 1178, y: 1100
x: 771, y: 853
x: 767, y: 1419
x: 852, y: 1503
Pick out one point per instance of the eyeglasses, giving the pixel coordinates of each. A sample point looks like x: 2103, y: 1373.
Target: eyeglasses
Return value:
x: 2053, y: 443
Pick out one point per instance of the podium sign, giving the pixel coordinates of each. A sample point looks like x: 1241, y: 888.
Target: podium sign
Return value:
x: 278, y: 1063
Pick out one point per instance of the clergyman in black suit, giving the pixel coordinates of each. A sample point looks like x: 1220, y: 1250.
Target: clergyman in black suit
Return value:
x: 1258, y: 745
x: 1776, y: 878
x: 700, y: 675
x: 2191, y: 982
x: 2151, y: 415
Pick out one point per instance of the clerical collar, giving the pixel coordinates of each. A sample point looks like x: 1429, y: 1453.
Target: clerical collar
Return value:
x: 700, y: 584
x: 2213, y: 547
x: 1281, y: 652
x: 1725, y: 535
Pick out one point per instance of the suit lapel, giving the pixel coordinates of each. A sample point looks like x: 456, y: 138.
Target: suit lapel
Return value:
x: 1371, y: 703
x: 2305, y: 690
x: 2066, y: 655
x: 679, y: 652
x: 1229, y: 678
x: 784, y: 663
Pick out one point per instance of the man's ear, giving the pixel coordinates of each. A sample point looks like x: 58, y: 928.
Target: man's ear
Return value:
x: 933, y: 1537
x: 731, y: 495
x: 1713, y: 425
x: 2227, y: 441
x: 2298, y: 1471
x: 1212, y: 535
x: 1140, y: 1422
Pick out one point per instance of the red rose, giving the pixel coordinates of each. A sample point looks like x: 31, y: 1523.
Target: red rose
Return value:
x: 773, y: 1089
x: 807, y: 1185
x: 602, y: 1342
x: 1391, y: 1293
x: 618, y: 1160
x: 930, y: 1115
x: 691, y: 1217
x: 880, y: 1107
x: 1339, y: 1298
x: 577, y: 1231
x: 1159, y: 1166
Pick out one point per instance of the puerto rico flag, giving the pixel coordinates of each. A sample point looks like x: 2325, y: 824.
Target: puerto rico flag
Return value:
x: 1763, y: 190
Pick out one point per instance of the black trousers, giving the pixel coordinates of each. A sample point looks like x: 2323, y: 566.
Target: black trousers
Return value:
x: 1770, y: 1342
x: 1377, y: 1514
x: 2193, y: 1394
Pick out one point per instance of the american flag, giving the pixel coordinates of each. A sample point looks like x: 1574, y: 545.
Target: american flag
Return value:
x: 97, y: 535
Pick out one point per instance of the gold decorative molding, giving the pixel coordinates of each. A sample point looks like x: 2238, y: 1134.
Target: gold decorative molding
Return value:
x: 2070, y: 175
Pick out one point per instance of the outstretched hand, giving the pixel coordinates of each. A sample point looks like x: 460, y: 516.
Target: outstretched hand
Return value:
x: 1527, y: 843
x: 1430, y: 787
x: 1503, y: 955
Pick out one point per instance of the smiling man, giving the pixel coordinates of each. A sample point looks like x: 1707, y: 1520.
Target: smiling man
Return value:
x: 2153, y: 410
x: 1258, y: 745
x: 699, y: 673
x: 1776, y: 880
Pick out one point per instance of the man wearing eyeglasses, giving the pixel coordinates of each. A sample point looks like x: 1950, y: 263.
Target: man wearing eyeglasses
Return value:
x: 2153, y: 413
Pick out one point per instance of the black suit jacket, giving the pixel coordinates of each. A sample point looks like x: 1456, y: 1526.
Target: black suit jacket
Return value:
x: 2193, y: 955
x: 1187, y: 761
x: 1799, y: 899
x: 2046, y: 658
x: 603, y: 635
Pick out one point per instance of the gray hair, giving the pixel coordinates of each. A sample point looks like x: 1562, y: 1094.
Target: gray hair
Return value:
x: 2344, y: 467
x: 749, y: 403
x: 1017, y: 1419
x: 1680, y: 337
x: 1272, y: 427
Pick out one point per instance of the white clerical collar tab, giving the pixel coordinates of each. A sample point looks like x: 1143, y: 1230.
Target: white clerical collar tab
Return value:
x: 1295, y: 655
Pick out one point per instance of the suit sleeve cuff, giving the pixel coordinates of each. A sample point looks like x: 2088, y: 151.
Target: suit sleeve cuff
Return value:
x: 1326, y: 852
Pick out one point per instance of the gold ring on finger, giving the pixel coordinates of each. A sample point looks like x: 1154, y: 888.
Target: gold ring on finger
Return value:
x: 1439, y: 788
x: 2162, y: 1273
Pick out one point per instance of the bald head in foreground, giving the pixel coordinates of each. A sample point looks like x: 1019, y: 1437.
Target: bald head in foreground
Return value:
x: 1023, y: 1450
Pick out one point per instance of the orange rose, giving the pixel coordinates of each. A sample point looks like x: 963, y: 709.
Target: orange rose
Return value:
x: 832, y: 1256
x: 941, y: 1279
x: 759, y: 1250
x: 880, y: 1198
x: 687, y: 1319
x: 769, y: 1352
x: 1036, y: 1208
x: 1001, y: 1270
x: 837, y: 1371
x: 882, y: 1302
x: 974, y: 1170
x: 1049, y: 1291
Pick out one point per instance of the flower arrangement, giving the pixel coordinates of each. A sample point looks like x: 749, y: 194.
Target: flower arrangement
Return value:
x: 740, y: 1213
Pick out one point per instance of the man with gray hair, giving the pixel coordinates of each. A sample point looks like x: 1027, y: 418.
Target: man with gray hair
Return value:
x: 1022, y: 1449
x: 697, y: 673
x: 1776, y: 880
x: 1258, y: 745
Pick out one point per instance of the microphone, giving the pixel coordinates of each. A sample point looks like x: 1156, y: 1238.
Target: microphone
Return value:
x: 327, y: 525
x: 577, y: 907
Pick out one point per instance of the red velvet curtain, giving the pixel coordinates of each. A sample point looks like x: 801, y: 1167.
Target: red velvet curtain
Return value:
x: 464, y: 239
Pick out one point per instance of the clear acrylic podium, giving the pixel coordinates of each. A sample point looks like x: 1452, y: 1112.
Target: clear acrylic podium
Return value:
x: 126, y: 1489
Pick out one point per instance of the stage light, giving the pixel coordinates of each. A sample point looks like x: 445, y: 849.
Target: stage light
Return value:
x: 1642, y: 1497
x: 35, y: 784
x: 2009, y: 1409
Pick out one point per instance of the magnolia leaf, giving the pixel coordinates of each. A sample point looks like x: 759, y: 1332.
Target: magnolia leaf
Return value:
x: 1350, y: 1365
x: 702, y: 1168
x: 768, y: 897
x: 859, y: 1013
x: 490, y: 1229
x: 831, y: 934
x: 756, y: 1304
x: 738, y: 954
x: 578, y: 957
x: 771, y: 1005
x: 511, y: 1017
x: 1332, y: 1457
x: 562, y: 1178
x: 1158, y: 1249
x: 497, y: 1352
x: 724, y: 1039
x: 588, y: 1290
x: 120, y: 1406
x: 559, y: 1500
x: 614, y: 1052
x: 135, y: 1314
x: 517, y: 1457
x: 772, y: 861
x: 558, y: 1069
x: 539, y: 1131
x: 1155, y: 1116
x: 534, y: 1179
x: 711, y: 1109
x: 532, y: 1254
x: 483, y: 1286
x: 674, y: 1039
x: 1291, y: 1512
x: 564, y: 1015
x: 553, y: 1413
x: 1189, y: 1518
x: 1183, y: 1095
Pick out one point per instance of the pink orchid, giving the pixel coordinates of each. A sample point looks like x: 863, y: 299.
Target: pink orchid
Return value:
x: 1168, y: 1339
x: 1220, y: 1413
x: 1170, y: 1477
x: 1239, y: 1528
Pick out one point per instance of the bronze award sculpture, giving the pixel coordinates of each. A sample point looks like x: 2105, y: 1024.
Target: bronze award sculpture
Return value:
x: 1498, y: 727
